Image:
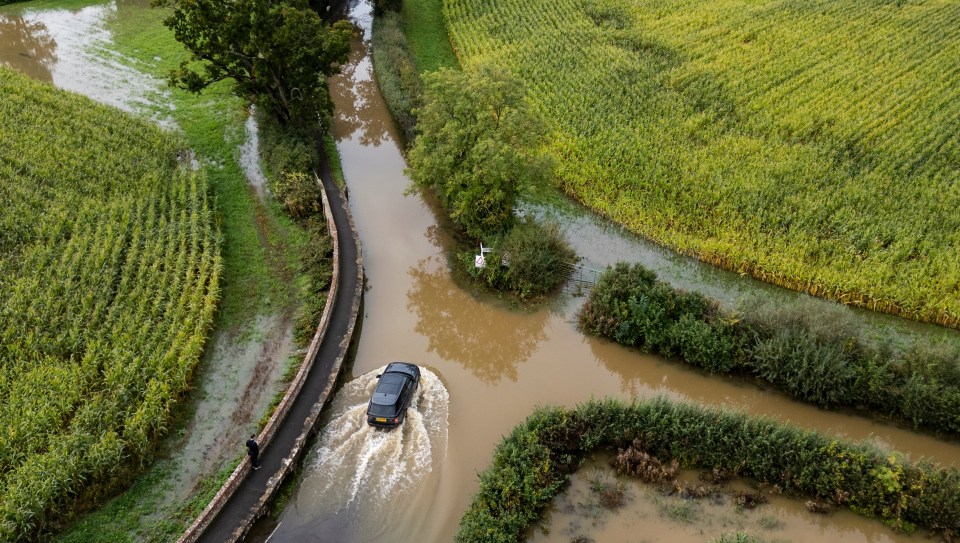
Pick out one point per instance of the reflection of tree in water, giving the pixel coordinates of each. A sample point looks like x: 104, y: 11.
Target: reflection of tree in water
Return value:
x: 27, y: 46
x: 487, y: 340
x: 356, y: 94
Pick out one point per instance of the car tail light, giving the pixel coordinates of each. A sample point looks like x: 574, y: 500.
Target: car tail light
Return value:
x: 396, y: 420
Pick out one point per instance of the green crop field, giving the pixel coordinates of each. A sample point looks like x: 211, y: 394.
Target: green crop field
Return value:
x: 814, y: 144
x: 109, y: 268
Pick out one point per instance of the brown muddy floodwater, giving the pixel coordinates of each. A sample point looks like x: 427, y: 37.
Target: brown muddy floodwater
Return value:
x: 495, y: 364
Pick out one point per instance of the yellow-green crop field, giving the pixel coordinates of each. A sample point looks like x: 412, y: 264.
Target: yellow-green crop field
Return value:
x: 109, y: 267
x: 814, y: 144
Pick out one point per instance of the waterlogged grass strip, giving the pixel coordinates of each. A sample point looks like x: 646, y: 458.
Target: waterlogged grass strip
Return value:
x: 531, y: 465
x: 110, y: 275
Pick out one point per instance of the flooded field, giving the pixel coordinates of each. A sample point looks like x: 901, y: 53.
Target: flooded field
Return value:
x: 70, y: 48
x: 599, y: 506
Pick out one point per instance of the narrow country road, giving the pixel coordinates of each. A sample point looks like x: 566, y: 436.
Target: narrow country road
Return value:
x: 278, y: 458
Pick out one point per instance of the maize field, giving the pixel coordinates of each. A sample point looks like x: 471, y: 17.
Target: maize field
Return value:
x: 109, y: 269
x: 812, y: 144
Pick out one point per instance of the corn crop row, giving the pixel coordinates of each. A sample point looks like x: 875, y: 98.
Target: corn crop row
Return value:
x: 110, y: 275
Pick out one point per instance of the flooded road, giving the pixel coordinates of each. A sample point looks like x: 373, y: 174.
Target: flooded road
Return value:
x: 496, y: 363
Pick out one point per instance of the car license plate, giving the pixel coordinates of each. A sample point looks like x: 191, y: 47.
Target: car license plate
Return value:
x: 381, y: 419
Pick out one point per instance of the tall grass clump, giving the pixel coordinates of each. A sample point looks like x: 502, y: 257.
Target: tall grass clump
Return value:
x: 814, y: 352
x: 754, y: 137
x: 397, y: 74
x: 531, y: 465
x: 109, y: 271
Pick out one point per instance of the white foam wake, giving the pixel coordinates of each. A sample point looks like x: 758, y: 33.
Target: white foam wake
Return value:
x: 357, y: 462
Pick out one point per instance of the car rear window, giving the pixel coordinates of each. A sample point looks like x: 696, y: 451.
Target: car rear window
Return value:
x: 378, y: 410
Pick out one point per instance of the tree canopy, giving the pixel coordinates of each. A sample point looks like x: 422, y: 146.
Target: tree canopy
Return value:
x: 277, y: 52
x: 477, y: 146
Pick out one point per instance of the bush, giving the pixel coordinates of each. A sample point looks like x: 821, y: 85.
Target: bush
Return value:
x: 535, y: 260
x: 814, y: 352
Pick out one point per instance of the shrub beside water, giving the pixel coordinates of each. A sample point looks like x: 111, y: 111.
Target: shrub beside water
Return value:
x: 397, y: 75
x: 532, y: 260
x: 531, y: 465
x: 814, y: 352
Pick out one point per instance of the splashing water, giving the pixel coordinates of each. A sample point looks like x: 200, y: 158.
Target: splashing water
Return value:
x: 355, y: 461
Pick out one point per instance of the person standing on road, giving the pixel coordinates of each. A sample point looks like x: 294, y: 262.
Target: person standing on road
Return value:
x: 254, y: 451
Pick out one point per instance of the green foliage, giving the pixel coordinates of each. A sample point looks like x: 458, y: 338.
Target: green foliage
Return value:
x: 538, y: 260
x: 397, y: 74
x: 290, y: 153
x: 816, y: 353
x: 741, y: 134
x: 299, y: 194
x: 277, y: 53
x: 524, y: 475
x: 477, y: 147
x: 110, y: 276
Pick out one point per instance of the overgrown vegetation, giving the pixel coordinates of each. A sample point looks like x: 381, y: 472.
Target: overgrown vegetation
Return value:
x: 531, y: 465
x: 109, y: 270
x: 477, y: 150
x: 397, y: 74
x: 291, y: 155
x: 751, y: 136
x: 477, y: 147
x: 530, y: 260
x: 815, y: 353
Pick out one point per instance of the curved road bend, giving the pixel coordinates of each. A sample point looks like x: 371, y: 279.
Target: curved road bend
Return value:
x: 243, y: 507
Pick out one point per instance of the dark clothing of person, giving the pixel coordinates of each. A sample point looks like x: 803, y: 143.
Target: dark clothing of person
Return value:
x: 254, y: 451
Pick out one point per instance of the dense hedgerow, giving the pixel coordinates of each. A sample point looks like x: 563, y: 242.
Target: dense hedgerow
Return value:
x: 109, y: 276
x: 531, y: 465
x: 810, y: 144
x: 814, y: 352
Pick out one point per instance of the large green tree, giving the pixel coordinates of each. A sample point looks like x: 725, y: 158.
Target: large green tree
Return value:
x: 477, y: 146
x: 277, y: 52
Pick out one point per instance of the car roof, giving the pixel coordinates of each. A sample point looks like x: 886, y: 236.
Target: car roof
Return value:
x: 403, y: 367
x: 388, y: 388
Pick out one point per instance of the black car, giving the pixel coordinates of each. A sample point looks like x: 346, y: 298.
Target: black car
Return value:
x: 395, y: 390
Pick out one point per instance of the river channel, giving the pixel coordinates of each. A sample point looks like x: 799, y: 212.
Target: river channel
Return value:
x: 489, y: 365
